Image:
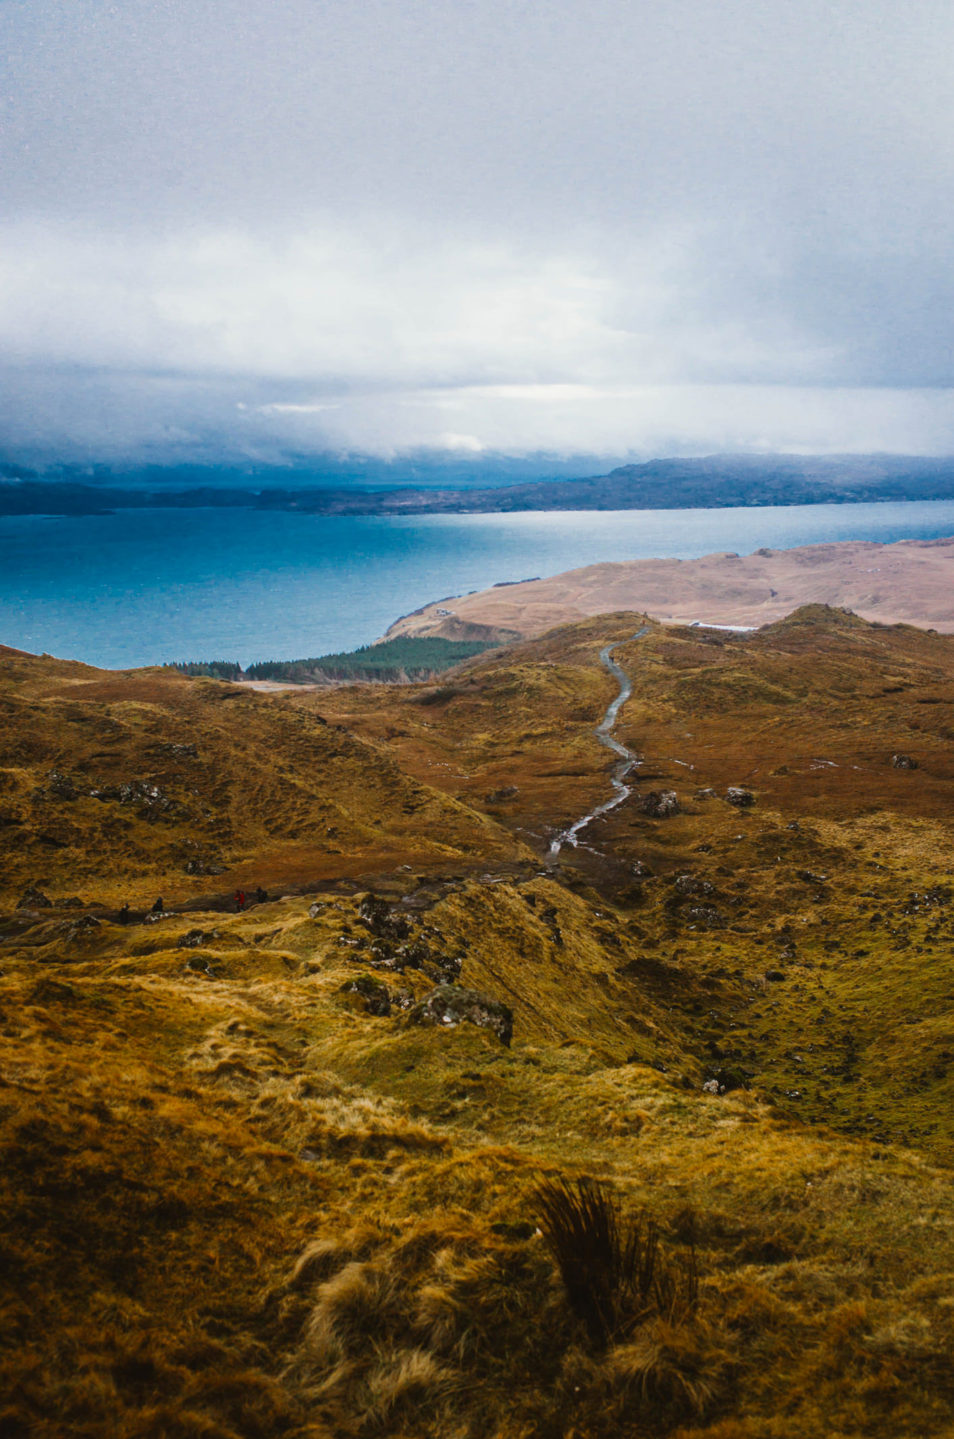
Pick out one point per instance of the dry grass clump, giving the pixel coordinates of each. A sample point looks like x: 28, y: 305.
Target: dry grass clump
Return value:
x: 469, y: 1331
x: 613, y: 1270
x: 441, y: 1316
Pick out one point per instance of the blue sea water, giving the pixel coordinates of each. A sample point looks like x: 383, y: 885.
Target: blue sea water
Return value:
x: 144, y: 587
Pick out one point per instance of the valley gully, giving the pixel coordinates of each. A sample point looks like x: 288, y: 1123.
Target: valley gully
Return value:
x: 603, y: 732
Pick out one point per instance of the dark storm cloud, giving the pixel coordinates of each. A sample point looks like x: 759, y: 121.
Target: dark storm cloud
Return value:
x: 607, y: 226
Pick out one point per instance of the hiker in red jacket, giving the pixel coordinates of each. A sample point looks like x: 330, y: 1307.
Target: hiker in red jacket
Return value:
x: 240, y: 899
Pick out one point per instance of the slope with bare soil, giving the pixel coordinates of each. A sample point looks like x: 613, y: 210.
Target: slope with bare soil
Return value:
x: 907, y: 581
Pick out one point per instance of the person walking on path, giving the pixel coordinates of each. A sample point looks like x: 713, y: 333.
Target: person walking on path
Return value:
x: 240, y: 899
x: 158, y: 907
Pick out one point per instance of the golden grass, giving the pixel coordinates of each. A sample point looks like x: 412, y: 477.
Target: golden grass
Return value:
x: 234, y: 1203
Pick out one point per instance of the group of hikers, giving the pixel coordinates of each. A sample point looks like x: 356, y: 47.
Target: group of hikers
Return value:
x: 240, y: 899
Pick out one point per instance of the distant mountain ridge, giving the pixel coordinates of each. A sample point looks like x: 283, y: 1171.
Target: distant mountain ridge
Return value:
x: 708, y: 482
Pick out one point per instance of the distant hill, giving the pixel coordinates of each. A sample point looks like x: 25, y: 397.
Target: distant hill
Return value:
x: 709, y: 482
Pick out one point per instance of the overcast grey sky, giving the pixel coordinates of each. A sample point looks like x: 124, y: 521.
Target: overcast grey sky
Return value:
x: 649, y: 227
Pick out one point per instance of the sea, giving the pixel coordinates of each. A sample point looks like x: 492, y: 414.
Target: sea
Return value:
x: 152, y: 586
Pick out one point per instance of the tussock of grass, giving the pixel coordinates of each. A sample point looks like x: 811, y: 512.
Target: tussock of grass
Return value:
x: 613, y: 1270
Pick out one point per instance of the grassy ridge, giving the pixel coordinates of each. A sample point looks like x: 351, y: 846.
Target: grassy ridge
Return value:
x: 246, y: 1191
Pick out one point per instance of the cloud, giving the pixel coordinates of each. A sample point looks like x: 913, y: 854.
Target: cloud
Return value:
x: 262, y: 225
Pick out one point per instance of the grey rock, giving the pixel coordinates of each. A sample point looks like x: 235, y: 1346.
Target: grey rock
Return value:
x: 61, y: 786
x: 377, y: 916
x: 903, y: 761
x: 78, y: 929
x: 204, y: 866
x: 372, y: 994
x: 33, y: 898
x: 148, y: 796
x: 741, y: 798
x: 707, y: 916
x: 196, y: 938
x: 692, y: 884
x: 448, y: 1005
x: 659, y: 803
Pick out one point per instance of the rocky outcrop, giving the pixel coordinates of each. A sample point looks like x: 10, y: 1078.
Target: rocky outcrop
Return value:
x: 741, y: 798
x: 34, y: 898
x: 692, y: 884
x: 903, y: 761
x: 196, y: 938
x: 449, y: 1006
x: 377, y: 916
x: 658, y: 803
x: 368, y: 994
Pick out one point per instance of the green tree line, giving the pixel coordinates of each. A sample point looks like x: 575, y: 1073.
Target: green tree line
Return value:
x: 388, y: 662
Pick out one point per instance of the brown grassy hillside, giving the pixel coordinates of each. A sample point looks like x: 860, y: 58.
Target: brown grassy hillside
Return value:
x: 115, y: 787
x: 249, y: 1190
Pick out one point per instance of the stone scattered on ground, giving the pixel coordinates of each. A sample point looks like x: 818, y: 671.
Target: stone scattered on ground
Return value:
x: 658, y: 803
x: 741, y: 798
x: 34, y: 898
x: 448, y: 1005
x: 196, y: 938
x: 371, y: 994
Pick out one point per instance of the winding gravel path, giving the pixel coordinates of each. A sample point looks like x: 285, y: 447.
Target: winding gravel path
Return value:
x: 604, y: 733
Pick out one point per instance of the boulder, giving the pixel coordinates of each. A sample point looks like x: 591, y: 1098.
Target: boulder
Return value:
x: 658, y: 803
x: 723, y: 1080
x: 61, y: 786
x: 376, y: 915
x: 79, y: 929
x: 692, y: 884
x: 203, y: 866
x: 33, y: 898
x: 741, y: 798
x: 196, y: 938
x: 707, y: 916
x: 147, y: 796
x: 372, y: 995
x: 903, y: 761
x: 448, y: 1005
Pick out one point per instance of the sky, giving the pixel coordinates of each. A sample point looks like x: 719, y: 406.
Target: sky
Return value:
x: 258, y: 228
